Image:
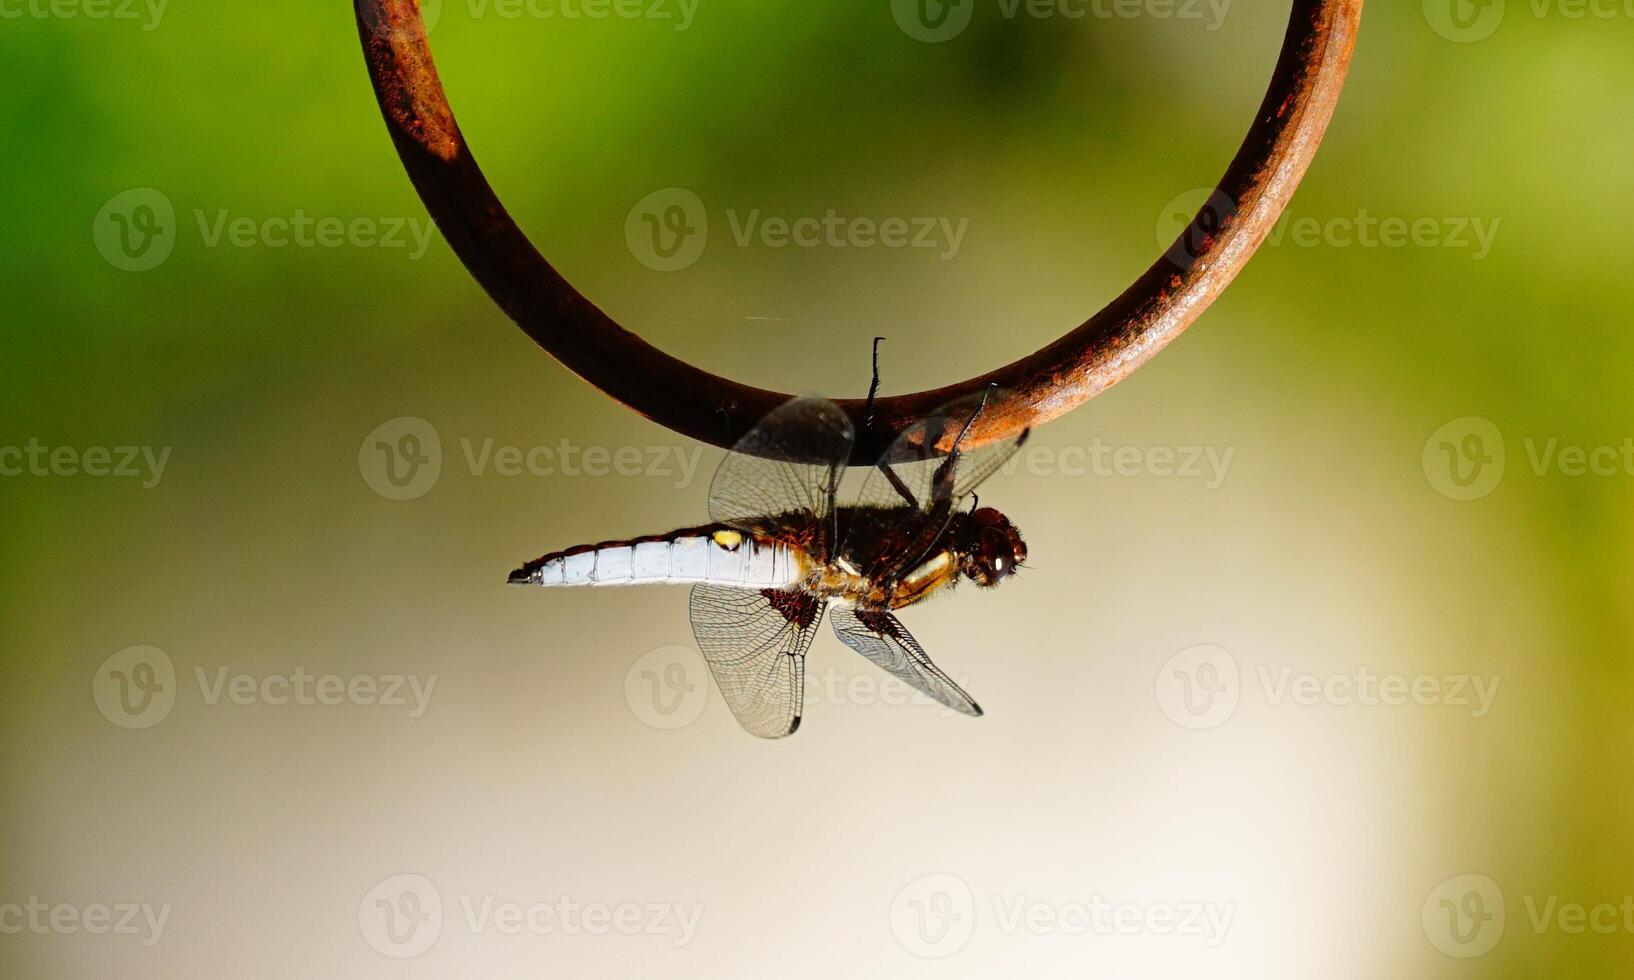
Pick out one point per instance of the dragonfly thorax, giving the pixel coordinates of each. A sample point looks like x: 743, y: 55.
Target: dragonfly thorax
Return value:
x: 982, y: 546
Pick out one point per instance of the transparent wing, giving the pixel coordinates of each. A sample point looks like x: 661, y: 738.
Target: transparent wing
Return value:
x: 881, y: 637
x: 907, y: 499
x: 755, y: 644
x: 756, y: 485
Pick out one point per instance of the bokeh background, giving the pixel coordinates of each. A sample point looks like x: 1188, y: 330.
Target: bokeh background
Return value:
x: 569, y: 745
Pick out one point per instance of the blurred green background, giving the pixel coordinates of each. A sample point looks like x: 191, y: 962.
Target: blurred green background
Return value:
x: 1062, y: 145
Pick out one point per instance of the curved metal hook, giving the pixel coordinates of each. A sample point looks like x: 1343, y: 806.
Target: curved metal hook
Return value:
x: 1165, y: 300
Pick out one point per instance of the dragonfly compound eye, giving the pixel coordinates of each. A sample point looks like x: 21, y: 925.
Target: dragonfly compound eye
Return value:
x: 994, y: 549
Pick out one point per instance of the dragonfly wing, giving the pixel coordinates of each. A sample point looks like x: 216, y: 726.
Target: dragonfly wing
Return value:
x: 881, y: 637
x: 910, y: 495
x: 755, y: 644
x: 756, y: 483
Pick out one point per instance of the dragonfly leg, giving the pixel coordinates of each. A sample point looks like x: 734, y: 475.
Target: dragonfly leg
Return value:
x: 942, y: 482
x: 873, y: 388
x: 897, y: 484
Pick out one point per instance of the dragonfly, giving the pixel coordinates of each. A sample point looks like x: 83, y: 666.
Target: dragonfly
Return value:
x: 780, y: 550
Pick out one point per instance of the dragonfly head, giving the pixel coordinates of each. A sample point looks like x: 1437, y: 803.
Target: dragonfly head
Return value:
x: 991, y: 548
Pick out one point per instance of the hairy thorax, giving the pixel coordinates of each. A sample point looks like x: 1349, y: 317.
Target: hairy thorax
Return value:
x: 839, y: 582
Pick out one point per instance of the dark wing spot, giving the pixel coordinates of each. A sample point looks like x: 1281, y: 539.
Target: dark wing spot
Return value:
x: 799, y: 608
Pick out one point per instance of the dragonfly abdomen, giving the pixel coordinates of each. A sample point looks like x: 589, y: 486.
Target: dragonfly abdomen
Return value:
x: 714, y: 554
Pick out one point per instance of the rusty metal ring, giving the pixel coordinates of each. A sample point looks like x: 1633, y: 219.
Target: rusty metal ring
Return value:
x: 1165, y: 300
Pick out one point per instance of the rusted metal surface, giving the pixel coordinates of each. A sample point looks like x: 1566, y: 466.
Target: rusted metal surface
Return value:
x: 1165, y: 300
